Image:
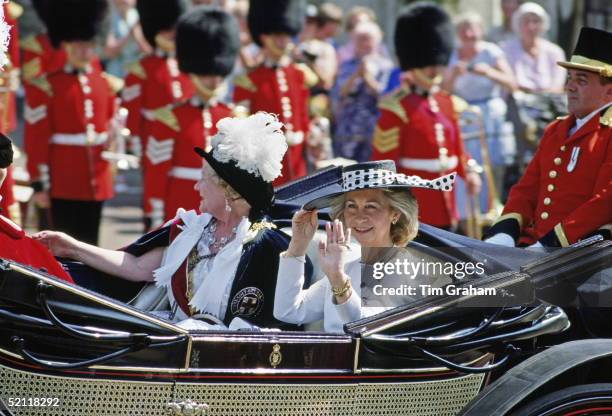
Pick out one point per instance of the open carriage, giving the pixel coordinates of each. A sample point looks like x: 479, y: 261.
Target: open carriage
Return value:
x: 71, y: 350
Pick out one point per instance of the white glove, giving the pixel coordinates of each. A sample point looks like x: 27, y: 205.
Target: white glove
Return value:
x: 501, y: 239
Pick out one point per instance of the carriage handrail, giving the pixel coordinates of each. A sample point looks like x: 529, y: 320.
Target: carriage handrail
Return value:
x: 511, y: 351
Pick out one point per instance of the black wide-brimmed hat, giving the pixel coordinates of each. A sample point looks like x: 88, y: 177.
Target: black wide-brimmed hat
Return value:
x: 424, y: 36
x: 74, y: 20
x: 593, y: 52
x: 247, y: 153
x: 158, y: 15
x: 6, y: 151
x: 275, y: 16
x: 373, y: 175
x: 207, y: 41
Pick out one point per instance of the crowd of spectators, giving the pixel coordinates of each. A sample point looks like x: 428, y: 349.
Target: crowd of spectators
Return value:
x: 486, y: 69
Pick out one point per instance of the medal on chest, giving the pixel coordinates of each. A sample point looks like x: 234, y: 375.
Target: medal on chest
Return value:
x: 571, y: 165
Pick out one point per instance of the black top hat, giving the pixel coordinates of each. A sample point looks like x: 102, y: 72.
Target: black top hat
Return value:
x: 275, y: 16
x: 158, y: 15
x: 74, y: 20
x: 6, y: 151
x: 424, y: 36
x: 372, y: 175
x: 247, y: 153
x: 593, y: 52
x: 207, y: 42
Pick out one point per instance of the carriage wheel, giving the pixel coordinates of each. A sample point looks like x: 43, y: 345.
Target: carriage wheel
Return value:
x: 583, y: 400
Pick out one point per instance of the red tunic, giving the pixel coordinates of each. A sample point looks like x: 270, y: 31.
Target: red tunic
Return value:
x: 566, y: 191
x: 174, y: 167
x: 151, y: 83
x: 17, y: 246
x: 68, y: 132
x: 6, y: 192
x: 421, y: 135
x: 282, y: 91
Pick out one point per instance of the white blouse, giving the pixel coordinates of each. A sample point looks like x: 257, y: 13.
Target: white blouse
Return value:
x: 297, y: 306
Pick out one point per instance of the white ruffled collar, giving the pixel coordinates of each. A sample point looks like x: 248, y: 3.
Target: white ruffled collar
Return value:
x: 207, y: 297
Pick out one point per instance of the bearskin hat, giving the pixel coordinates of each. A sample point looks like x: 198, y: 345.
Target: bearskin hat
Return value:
x: 424, y: 36
x: 158, y: 15
x: 275, y: 16
x: 6, y: 151
x: 74, y: 20
x: 207, y: 41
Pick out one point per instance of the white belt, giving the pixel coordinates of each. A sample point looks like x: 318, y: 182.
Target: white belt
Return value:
x: 294, y: 137
x: 193, y: 174
x: 429, y: 165
x: 79, y: 139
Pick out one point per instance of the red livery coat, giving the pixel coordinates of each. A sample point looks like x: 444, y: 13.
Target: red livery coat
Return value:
x: 174, y: 167
x: 566, y: 190
x: 17, y: 246
x: 421, y: 135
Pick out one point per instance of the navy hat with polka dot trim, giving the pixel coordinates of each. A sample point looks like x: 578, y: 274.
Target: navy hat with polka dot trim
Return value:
x: 378, y: 174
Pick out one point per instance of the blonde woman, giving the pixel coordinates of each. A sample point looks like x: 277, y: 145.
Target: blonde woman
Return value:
x: 376, y: 207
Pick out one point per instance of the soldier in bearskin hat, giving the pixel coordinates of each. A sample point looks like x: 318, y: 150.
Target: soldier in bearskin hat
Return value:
x: 207, y: 42
x: 154, y: 82
x: 565, y: 193
x: 278, y: 85
x: 67, y: 130
x: 417, y: 127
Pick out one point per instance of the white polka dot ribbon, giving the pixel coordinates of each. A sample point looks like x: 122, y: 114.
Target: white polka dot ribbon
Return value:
x: 379, y: 178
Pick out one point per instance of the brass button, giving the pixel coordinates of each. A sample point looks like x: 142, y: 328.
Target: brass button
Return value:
x: 550, y: 187
x: 547, y: 201
x: 552, y: 174
x: 557, y: 161
x: 443, y: 151
x: 544, y: 215
x: 563, y: 148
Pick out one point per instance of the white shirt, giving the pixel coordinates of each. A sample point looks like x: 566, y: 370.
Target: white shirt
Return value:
x: 297, y: 306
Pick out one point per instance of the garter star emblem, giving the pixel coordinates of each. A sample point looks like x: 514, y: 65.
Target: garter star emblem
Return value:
x: 275, y: 356
x: 247, y: 302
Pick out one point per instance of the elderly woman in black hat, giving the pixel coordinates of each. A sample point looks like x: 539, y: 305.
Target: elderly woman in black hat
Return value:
x: 371, y: 202
x: 221, y: 262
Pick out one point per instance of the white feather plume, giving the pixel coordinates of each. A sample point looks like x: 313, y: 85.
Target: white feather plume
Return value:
x: 5, y: 37
x: 256, y: 143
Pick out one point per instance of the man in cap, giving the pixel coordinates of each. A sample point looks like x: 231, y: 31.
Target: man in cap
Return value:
x: 207, y: 42
x: 279, y: 86
x: 565, y: 193
x: 417, y: 127
x: 75, y: 105
x: 152, y: 83
x: 14, y: 243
